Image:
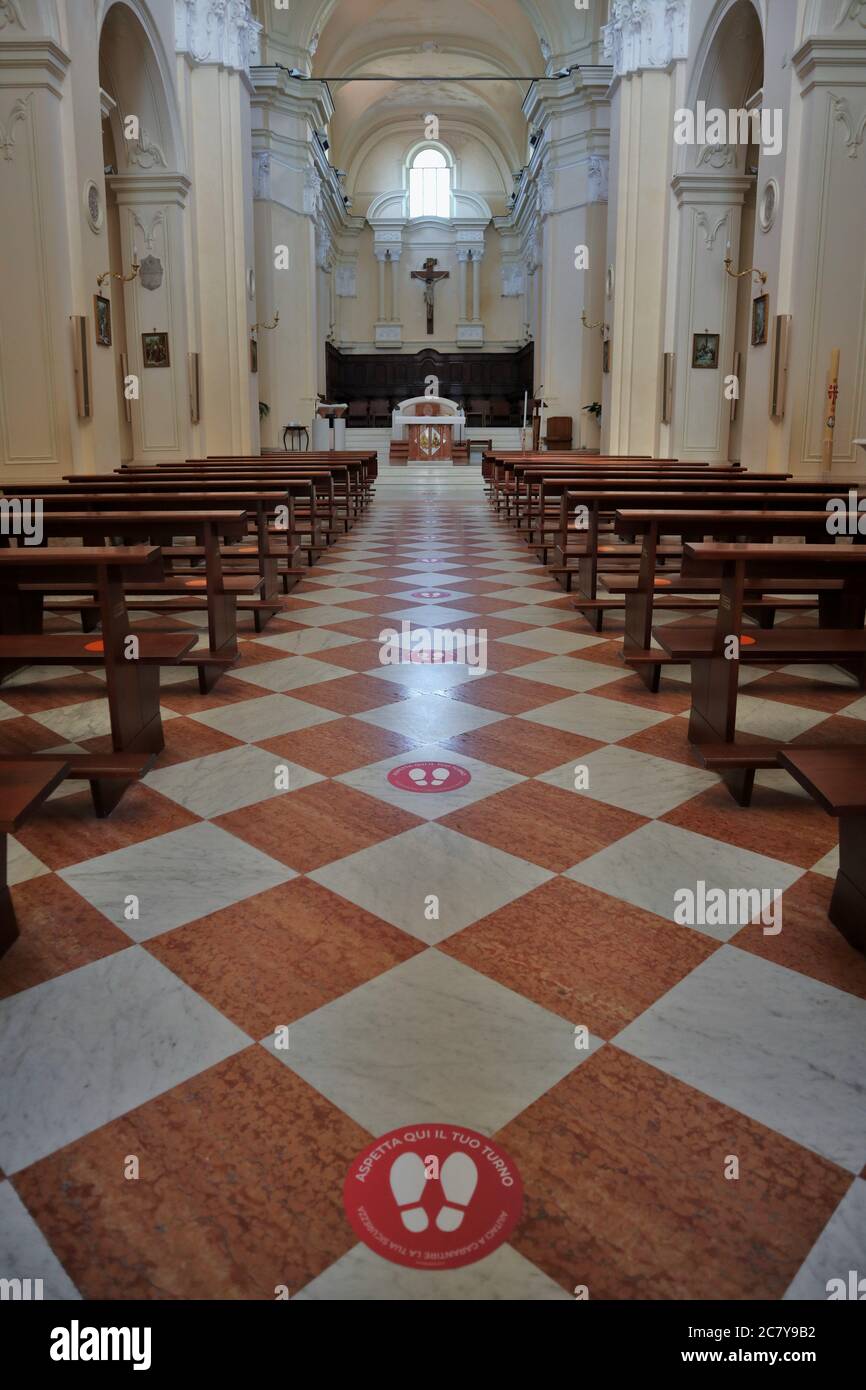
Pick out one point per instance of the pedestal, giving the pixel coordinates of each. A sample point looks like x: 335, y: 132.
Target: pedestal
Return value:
x: 325, y: 438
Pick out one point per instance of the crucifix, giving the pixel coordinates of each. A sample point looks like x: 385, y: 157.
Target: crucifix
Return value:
x: 430, y: 275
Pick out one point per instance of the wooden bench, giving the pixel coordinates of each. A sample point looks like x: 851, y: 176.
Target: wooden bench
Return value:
x: 131, y: 660
x: 836, y: 778
x: 715, y: 653
x: 24, y: 785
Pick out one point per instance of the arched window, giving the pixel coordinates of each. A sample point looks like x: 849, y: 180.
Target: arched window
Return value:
x: 430, y: 185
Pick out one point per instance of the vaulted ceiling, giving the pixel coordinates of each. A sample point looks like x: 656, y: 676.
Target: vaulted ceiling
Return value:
x: 477, y: 43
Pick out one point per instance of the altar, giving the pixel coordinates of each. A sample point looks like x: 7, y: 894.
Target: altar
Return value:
x: 429, y: 426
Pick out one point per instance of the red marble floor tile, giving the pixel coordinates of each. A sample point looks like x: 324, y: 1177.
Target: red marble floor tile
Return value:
x: 340, y: 746
x: 494, y: 627
x: 353, y: 694
x: 668, y: 740
x: 808, y: 941
x: 52, y: 694
x: 808, y: 694
x: 280, y: 955
x: 506, y: 694
x: 360, y: 656
x: 548, y: 826
x: 783, y: 826
x: 239, y: 1191
x: 521, y: 746
x: 186, y: 698
x: 671, y: 698
x: 605, y: 654
x: 369, y: 629
x: 375, y: 605
x: 318, y: 824
x: 59, y: 932
x: 26, y: 735
x: 252, y: 654
x: 67, y: 832
x: 837, y: 729
x: 624, y: 1172
x: 188, y: 738
x: 575, y: 951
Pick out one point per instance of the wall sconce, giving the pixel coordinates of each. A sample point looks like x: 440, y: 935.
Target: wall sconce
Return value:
x: 760, y: 275
x: 601, y: 325
x: 267, y: 326
x: 113, y: 275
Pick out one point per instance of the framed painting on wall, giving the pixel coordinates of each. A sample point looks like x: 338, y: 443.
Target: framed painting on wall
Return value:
x: 154, y: 350
x: 760, y: 320
x: 705, y: 351
x: 102, y: 319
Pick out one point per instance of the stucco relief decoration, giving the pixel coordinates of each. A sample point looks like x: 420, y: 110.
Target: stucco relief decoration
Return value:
x: 717, y: 156
x: 312, y: 193
x: 854, y: 126
x: 853, y: 11
x: 710, y: 229
x: 512, y: 279
x: 347, y: 280
x: 545, y: 191
x: 597, y: 179
x: 324, y: 247
x: 149, y: 232
x: 262, y: 175
x: 145, y: 152
x: 19, y: 112
x: 150, y: 273
x: 646, y: 34
x: 216, y: 31
x: 10, y: 13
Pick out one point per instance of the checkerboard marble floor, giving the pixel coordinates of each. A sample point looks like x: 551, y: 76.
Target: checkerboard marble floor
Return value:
x: 149, y: 1034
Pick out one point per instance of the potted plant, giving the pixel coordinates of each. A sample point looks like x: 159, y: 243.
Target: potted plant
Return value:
x: 594, y: 409
x: 264, y: 410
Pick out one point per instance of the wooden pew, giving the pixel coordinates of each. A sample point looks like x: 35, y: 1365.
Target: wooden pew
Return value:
x: 131, y: 660
x: 836, y: 778
x: 715, y: 659
x: 218, y: 591
x: 583, y: 543
x: 647, y: 590
x: 24, y: 786
x: 261, y: 503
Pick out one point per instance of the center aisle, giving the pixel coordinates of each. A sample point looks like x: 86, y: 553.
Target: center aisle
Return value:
x: 400, y: 865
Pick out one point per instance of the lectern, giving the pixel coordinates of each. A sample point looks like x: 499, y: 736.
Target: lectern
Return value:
x: 329, y: 427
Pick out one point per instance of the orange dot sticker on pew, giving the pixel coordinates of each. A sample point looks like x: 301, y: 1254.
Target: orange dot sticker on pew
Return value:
x: 747, y: 641
x: 98, y: 646
x: 660, y: 583
x: 194, y: 583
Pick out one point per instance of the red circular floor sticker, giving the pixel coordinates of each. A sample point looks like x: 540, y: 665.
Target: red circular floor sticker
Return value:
x: 429, y: 777
x: 431, y: 594
x: 433, y: 1196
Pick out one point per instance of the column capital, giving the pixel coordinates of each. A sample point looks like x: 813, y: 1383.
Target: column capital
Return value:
x: 131, y: 190
x: 823, y: 62
x: 711, y: 190
x: 646, y: 34
x: 223, y: 33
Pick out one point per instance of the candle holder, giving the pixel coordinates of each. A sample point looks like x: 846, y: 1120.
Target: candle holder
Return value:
x: 113, y: 275
x: 266, y: 326
x: 601, y: 325
x: 760, y: 275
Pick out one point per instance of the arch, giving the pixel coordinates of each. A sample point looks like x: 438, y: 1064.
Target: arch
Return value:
x: 134, y: 70
x: 728, y: 72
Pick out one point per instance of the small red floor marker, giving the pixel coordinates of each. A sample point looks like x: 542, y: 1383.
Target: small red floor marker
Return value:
x: 431, y: 594
x: 429, y: 777
x: 434, y: 1196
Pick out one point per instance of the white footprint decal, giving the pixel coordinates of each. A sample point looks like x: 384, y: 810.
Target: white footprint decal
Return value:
x: 408, y: 1177
x: 440, y: 775
x: 459, y: 1178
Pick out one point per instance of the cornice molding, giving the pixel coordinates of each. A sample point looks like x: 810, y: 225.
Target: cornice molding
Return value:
x: 296, y: 96
x: 820, y: 62
x: 33, y: 63
x: 646, y: 34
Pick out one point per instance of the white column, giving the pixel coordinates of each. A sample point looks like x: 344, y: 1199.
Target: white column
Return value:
x: 380, y: 256
x: 462, y: 287
x: 395, y: 286
x: 476, y: 287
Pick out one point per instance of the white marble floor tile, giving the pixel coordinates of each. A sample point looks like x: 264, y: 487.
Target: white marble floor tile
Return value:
x: 529, y: 594
x: 840, y: 1248
x: 829, y: 675
x: 427, y: 678
x: 773, y: 719
x: 7, y: 712
x: 24, y: 1251
x: 632, y: 780
x: 361, y: 1276
x: 90, y: 719
x: 770, y: 1042
x: 35, y: 675
x: 570, y: 673
x: 430, y: 717
x: 432, y: 615
x: 176, y: 878
x: 272, y: 715
x: 396, y: 879
x: 292, y: 673
x: 538, y: 615
x: 551, y: 640
x: 329, y: 596
x: 485, y: 781
x: 21, y: 864
x: 81, y: 1049
x: 428, y: 579
x: 432, y: 1038
x: 829, y: 865
x: 324, y: 616
x: 650, y: 865
x: 594, y: 717
x: 306, y: 642
x: 222, y: 782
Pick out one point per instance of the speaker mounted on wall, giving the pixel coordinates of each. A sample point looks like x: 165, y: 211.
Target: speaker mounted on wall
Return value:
x: 779, y: 372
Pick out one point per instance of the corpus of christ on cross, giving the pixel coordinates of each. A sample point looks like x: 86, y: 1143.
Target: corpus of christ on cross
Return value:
x: 430, y: 275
